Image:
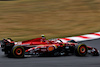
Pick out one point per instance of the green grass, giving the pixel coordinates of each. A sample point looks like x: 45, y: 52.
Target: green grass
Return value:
x: 27, y: 19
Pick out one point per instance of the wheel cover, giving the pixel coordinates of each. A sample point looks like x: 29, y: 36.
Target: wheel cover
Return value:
x: 18, y: 51
x: 82, y: 49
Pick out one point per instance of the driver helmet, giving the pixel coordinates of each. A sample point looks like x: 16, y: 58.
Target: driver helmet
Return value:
x: 42, y: 35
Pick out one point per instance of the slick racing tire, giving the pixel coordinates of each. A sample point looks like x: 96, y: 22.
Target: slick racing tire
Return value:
x: 18, y: 51
x: 81, y: 50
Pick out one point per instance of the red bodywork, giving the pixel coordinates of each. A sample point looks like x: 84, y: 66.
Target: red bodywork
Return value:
x: 36, y: 41
x: 48, y: 43
x: 38, y: 47
x: 39, y: 44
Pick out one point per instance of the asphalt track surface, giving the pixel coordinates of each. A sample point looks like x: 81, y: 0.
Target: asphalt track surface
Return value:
x: 62, y: 61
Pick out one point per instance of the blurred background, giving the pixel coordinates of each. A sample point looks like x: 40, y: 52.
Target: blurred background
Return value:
x: 27, y: 19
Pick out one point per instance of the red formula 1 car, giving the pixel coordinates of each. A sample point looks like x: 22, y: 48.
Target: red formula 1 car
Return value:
x: 47, y: 48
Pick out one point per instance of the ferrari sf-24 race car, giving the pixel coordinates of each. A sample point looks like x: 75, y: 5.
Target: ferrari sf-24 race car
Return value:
x: 47, y: 48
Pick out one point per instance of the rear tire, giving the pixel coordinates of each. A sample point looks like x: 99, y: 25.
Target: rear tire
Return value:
x: 18, y: 51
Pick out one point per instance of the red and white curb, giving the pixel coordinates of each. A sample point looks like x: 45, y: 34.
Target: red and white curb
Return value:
x: 85, y: 37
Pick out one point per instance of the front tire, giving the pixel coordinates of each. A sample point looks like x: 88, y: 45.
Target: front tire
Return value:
x: 81, y: 50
